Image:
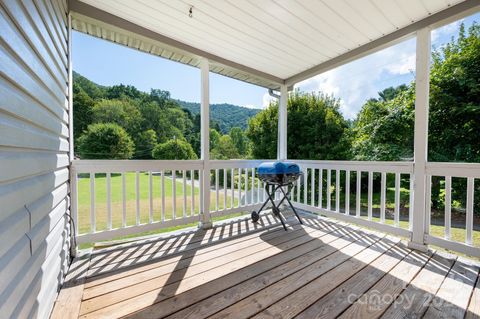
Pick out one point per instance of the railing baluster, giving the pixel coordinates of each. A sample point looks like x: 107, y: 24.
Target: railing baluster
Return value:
x: 75, y: 200
x: 298, y: 190
x: 253, y: 186
x: 239, y: 187
x: 396, y: 216
x: 370, y: 194
x: 216, y: 190
x: 347, y: 192
x: 337, y: 191
x: 448, y: 205
x: 312, y: 192
x: 192, y: 193
x: 201, y: 176
x: 109, y: 202
x: 93, y: 226
x: 358, y: 194
x: 258, y: 189
x: 305, y: 187
x: 184, y: 177
x: 162, y: 177
x: 124, y: 201
x: 410, y: 205
x: 245, y: 202
x: 428, y: 204
x: 150, y: 197
x: 320, y: 188
x: 137, y: 197
x: 469, y: 219
x: 232, y: 188
x: 263, y: 191
x: 174, y: 194
x: 225, y: 188
x: 329, y: 189
x: 383, y: 197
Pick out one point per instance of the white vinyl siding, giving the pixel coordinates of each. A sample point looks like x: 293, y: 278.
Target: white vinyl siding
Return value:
x: 34, y: 163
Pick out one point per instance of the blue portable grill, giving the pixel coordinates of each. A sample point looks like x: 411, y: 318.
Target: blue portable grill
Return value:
x: 277, y: 176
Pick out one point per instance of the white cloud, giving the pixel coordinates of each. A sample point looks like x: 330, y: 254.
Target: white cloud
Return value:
x: 267, y: 98
x: 447, y: 30
x: 405, y: 65
x: 362, y: 79
x: 251, y: 106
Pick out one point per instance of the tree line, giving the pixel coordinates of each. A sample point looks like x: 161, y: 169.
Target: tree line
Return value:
x: 121, y: 122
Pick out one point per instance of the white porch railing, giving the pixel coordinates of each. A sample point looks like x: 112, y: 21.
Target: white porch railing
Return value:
x: 334, y: 188
x: 116, y: 198
x: 467, y: 172
x: 113, y: 198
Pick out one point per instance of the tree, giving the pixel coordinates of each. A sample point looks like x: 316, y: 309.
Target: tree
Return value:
x: 390, y: 93
x: 225, y: 149
x: 454, y: 123
x: 105, y: 141
x: 145, y: 143
x: 316, y: 129
x: 262, y: 130
x: 82, y: 110
x: 240, y: 140
x: 383, y: 129
x: 123, y: 92
x: 214, y: 138
x: 121, y: 112
x: 175, y: 149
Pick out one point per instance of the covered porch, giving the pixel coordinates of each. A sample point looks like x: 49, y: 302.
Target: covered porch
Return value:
x: 357, y: 254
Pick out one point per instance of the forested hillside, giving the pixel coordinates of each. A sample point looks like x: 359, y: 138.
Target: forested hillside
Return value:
x: 122, y: 122
x: 226, y: 115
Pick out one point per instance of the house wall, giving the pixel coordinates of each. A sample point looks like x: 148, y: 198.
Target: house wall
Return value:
x: 34, y: 174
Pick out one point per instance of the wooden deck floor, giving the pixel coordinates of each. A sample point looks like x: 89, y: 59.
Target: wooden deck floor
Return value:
x: 323, y: 269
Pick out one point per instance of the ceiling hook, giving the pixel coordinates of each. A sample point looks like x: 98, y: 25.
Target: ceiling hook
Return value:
x: 190, y: 12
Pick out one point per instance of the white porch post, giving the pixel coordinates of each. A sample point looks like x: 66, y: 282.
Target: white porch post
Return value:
x: 282, y: 123
x: 205, y: 219
x: 422, y: 85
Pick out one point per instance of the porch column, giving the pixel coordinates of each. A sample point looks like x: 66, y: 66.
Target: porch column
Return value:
x: 282, y: 123
x: 422, y: 85
x: 205, y: 220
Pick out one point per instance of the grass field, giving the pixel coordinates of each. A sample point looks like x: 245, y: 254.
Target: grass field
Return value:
x: 117, y: 201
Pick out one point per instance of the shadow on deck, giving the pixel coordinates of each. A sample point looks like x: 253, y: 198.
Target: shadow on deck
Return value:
x: 323, y: 269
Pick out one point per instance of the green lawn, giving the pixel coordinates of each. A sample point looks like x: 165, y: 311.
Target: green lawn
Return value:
x: 117, y: 201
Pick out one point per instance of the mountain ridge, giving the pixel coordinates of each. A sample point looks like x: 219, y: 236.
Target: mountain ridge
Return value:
x: 225, y: 114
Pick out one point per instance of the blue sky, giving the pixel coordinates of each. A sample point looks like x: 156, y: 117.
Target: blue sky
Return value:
x: 107, y: 63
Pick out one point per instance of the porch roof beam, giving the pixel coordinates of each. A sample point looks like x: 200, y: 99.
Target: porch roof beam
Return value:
x: 434, y: 21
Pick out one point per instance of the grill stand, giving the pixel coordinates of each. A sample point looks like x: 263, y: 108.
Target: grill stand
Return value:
x: 276, y: 208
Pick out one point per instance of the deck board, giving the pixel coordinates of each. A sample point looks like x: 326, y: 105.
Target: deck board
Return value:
x: 454, y: 294
x: 240, y: 270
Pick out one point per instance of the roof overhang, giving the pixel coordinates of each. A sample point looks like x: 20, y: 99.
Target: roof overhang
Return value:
x: 103, y: 20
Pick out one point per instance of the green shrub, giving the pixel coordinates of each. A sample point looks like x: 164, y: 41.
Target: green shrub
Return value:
x: 174, y: 150
x: 105, y: 141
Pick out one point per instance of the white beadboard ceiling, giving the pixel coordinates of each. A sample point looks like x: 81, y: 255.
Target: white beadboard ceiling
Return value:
x: 280, y: 38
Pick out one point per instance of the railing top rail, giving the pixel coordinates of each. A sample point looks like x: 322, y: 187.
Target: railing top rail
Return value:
x: 388, y: 167
x: 453, y: 169
x: 118, y: 166
x: 214, y: 164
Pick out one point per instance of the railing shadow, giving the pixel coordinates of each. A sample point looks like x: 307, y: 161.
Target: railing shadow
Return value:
x: 214, y: 298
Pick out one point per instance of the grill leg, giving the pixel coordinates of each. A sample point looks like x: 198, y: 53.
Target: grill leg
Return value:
x: 275, y: 208
x: 285, y: 196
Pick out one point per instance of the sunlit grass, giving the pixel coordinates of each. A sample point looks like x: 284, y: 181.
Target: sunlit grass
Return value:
x: 101, y: 212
